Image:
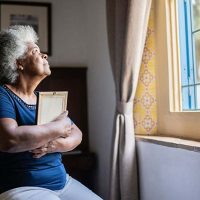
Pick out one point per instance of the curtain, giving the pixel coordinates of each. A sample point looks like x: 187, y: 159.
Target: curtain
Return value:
x: 127, y: 22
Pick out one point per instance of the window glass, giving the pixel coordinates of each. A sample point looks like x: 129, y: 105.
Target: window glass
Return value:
x: 195, y: 14
x: 197, y: 56
x: 189, y: 40
x: 188, y: 100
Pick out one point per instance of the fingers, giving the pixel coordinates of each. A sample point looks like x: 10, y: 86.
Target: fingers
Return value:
x: 64, y: 114
x: 68, y: 127
x: 67, y: 131
x: 48, y: 148
x: 40, y: 150
x: 38, y: 155
x: 51, y: 147
x: 61, y: 116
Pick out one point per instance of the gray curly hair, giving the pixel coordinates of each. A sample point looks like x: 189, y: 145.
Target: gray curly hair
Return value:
x: 13, y: 46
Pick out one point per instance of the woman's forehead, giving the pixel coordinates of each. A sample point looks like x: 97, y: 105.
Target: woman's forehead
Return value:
x: 32, y: 46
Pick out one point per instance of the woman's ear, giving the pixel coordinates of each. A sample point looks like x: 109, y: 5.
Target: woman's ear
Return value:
x: 19, y: 64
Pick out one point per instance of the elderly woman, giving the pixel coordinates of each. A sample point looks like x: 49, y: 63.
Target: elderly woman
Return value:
x: 30, y: 154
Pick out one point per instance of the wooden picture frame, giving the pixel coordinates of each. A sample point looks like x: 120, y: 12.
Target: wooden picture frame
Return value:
x: 37, y: 15
x: 50, y: 105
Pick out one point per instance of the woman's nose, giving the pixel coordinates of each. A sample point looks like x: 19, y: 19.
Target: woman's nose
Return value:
x: 44, y: 56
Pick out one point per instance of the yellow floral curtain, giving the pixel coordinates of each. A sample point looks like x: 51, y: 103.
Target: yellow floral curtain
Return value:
x: 145, y: 102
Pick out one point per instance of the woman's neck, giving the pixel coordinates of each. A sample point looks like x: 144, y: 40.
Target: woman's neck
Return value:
x: 25, y: 90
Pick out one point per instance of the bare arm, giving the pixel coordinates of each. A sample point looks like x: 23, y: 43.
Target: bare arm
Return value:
x: 61, y: 144
x: 14, y: 138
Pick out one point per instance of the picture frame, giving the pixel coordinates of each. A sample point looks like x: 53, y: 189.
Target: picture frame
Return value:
x: 50, y: 105
x: 35, y: 14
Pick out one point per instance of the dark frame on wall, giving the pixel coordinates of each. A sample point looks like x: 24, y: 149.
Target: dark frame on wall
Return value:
x: 35, y: 14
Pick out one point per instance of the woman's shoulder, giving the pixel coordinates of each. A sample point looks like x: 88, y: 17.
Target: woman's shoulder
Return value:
x: 5, y: 97
x: 3, y: 89
x: 4, y: 94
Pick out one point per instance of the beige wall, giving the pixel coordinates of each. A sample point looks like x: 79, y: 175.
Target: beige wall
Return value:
x: 183, y: 124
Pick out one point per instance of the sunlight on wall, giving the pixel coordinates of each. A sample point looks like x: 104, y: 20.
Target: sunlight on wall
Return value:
x: 145, y: 103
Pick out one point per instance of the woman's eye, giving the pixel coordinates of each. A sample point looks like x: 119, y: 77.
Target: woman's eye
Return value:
x: 35, y: 51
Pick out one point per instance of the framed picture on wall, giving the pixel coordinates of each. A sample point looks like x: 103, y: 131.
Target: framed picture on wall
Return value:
x: 37, y: 15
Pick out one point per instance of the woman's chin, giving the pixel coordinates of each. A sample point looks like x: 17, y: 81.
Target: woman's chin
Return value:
x: 49, y: 73
x: 47, y: 70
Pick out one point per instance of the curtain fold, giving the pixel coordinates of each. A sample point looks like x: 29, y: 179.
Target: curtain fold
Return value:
x: 127, y: 22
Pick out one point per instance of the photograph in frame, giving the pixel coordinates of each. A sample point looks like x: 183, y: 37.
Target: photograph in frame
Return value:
x: 37, y: 15
x: 50, y: 105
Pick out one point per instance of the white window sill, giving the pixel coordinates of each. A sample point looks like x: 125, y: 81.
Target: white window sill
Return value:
x: 171, y: 142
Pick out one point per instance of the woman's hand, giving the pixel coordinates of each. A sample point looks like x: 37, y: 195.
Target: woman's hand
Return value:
x: 41, y: 151
x: 64, y: 124
x: 60, y: 144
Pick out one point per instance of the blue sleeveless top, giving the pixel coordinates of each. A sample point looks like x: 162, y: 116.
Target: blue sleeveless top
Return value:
x: 21, y: 169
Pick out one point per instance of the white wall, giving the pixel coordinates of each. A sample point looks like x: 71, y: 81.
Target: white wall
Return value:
x: 79, y: 39
x: 168, y: 173
x: 100, y: 90
x: 68, y: 33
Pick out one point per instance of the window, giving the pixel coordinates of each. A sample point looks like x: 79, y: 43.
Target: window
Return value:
x: 172, y: 119
x: 189, y: 43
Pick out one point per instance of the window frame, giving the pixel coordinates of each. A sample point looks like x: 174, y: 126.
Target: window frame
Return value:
x: 173, y: 52
x: 176, y: 124
x: 178, y: 59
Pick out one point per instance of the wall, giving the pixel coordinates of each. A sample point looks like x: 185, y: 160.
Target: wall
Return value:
x: 68, y: 33
x: 68, y: 30
x: 170, y: 174
x: 101, y: 91
x: 79, y: 39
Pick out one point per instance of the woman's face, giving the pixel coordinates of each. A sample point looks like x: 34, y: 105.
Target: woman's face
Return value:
x: 35, y: 62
